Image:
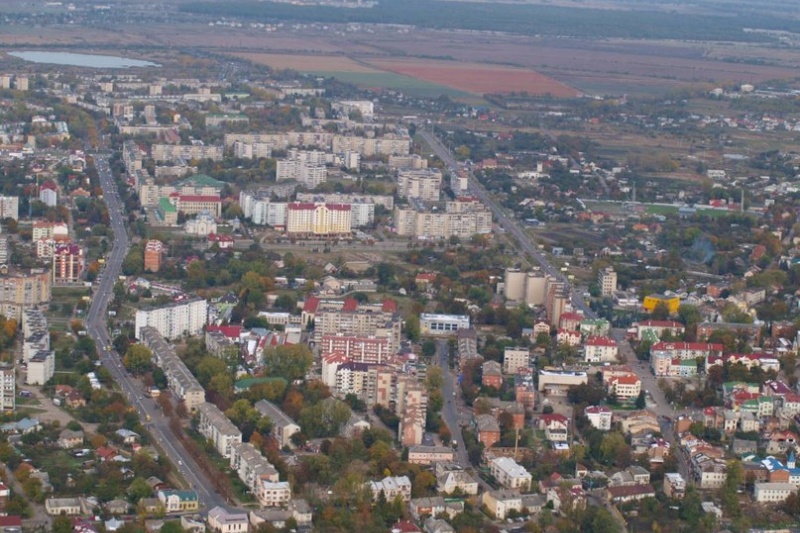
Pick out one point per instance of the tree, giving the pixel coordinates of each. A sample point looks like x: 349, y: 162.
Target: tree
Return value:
x: 324, y: 419
x: 172, y: 526
x: 412, y: 328
x: 730, y: 489
x: 289, y: 361
x: 139, y: 489
x: 641, y: 401
x: 660, y: 311
x: 209, y: 367
x: 62, y: 524
x: 138, y: 359
x: 428, y: 348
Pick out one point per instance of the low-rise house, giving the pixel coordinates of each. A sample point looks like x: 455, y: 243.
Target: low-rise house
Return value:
x: 633, y: 475
x: 501, y: 502
x: 10, y: 524
x: 674, y: 486
x: 404, y: 526
x: 450, y: 481
x: 434, y: 506
x: 69, y: 439
x: 555, y: 427
x: 391, y: 487
x: 67, y: 506
x: 629, y: 493
x: 127, y: 436
x: 178, y: 501
x: 116, y: 507
x: 437, y: 525
x: 220, y: 520
x: 151, y: 506
x: 425, y: 455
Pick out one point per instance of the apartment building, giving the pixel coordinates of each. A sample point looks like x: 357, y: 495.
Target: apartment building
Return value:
x: 273, y: 493
x: 216, y: 427
x: 666, y: 358
x: 411, y: 406
x: 153, y: 253
x: 251, y: 466
x: 186, y: 317
x: 172, y: 152
x: 8, y: 388
x: 371, y: 350
x: 9, y: 207
x: 48, y: 194
x: 283, y: 427
x: 460, y: 218
x: 307, y: 174
x: 654, y: 330
x: 181, y: 381
x: 515, y: 359
x: 499, y: 503
x: 413, y: 161
x: 350, y: 318
x: 196, y: 204
x: 362, y: 212
x: 318, y: 219
x: 41, y: 367
x: 424, y: 184
x: 626, y: 388
x: 386, y: 201
x: 244, y: 150
x: 607, y: 281
x: 599, y: 416
x: 389, y: 144
x: 20, y: 291
x: 510, y: 474
x: 284, y: 140
x: 467, y: 340
x: 674, y: 486
x: 68, y: 263
x: 261, y: 210
x: 598, y: 349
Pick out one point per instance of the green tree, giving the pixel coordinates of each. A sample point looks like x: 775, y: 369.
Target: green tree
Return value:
x: 290, y: 361
x: 412, y: 328
x: 730, y: 489
x: 428, y: 348
x: 172, y: 526
x: 139, y: 489
x: 209, y: 367
x: 324, y: 419
x: 641, y: 401
x: 138, y: 359
x: 62, y: 524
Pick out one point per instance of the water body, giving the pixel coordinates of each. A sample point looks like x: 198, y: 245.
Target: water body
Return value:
x: 81, y: 60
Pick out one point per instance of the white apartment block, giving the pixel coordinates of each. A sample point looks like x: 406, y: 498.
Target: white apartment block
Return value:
x: 607, y: 280
x: 389, y: 144
x: 365, y: 107
x: 773, y: 492
x: 7, y: 388
x: 41, y: 368
x: 362, y: 212
x: 9, y: 207
x: 282, y: 141
x: 273, y: 493
x: 341, y: 198
x: 176, y: 319
x: 307, y: 174
x: 244, y: 150
x: 510, y: 474
x: 461, y: 218
x: 423, y: 184
x: 514, y: 359
x: 318, y: 219
x: 215, y: 426
x: 181, y: 381
x: 251, y: 466
x: 261, y: 210
x: 170, y: 152
x: 413, y: 161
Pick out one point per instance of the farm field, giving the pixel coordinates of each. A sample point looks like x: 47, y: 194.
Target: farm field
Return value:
x: 477, y: 78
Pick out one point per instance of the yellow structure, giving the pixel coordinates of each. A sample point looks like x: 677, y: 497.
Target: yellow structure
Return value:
x: 652, y: 300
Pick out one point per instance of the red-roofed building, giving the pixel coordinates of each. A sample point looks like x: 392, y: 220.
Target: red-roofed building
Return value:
x: 223, y: 241
x: 318, y: 219
x: 232, y: 332
x: 48, y: 193
x: 424, y: 279
x: 570, y: 321
x: 625, y: 388
x: 12, y: 522
x: 598, y: 349
x: 194, y: 204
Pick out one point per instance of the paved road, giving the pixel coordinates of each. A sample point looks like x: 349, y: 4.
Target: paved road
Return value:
x: 450, y: 410
x: 156, y: 422
x: 508, y: 224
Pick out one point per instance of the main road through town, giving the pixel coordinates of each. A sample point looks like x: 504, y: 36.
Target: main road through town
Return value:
x: 150, y: 414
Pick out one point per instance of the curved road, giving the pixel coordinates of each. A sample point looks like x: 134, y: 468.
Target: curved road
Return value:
x: 156, y: 422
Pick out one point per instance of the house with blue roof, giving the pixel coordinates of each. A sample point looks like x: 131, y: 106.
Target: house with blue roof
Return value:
x: 780, y: 472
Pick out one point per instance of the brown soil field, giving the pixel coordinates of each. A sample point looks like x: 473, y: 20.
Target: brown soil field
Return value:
x: 477, y: 78
x: 306, y: 63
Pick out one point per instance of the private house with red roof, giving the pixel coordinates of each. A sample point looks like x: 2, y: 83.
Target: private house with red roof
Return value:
x: 223, y: 241
x: 570, y: 338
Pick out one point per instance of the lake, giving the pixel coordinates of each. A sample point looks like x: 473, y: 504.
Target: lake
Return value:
x: 81, y: 60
